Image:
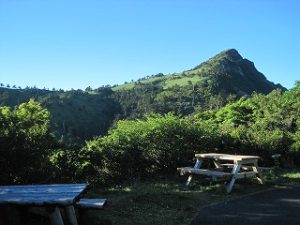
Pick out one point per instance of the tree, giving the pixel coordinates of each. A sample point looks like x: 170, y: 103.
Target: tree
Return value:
x: 88, y: 88
x: 25, y: 143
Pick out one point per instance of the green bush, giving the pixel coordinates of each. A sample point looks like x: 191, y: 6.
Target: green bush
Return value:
x: 25, y: 143
x: 144, y: 147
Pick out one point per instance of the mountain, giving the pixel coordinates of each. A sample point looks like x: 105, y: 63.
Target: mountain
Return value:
x: 79, y: 115
x: 228, y: 70
x: 223, y: 78
x: 236, y: 74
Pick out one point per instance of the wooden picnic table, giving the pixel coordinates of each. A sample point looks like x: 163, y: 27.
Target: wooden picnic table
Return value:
x: 240, y: 166
x: 51, y: 197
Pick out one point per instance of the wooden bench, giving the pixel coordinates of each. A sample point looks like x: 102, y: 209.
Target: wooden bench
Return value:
x: 214, y: 174
x: 263, y: 170
x: 85, y: 204
x: 91, y: 203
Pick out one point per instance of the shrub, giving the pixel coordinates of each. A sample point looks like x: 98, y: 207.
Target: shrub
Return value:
x: 148, y: 146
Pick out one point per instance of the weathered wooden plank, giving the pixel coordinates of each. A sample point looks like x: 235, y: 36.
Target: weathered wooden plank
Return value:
x: 204, y: 172
x: 54, y: 188
x: 37, y: 194
x: 226, y: 156
x: 38, y: 199
x: 249, y: 174
x: 231, y: 165
x: 261, y: 169
x: 64, y: 194
x: 246, y: 161
x: 97, y: 203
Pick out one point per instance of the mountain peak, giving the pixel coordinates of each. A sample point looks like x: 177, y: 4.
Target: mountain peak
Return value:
x: 230, y: 54
x: 232, y: 73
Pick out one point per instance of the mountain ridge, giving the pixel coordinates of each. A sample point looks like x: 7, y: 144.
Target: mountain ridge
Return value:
x: 79, y: 115
x: 228, y: 62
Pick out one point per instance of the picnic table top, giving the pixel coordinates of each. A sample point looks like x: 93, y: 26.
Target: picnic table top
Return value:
x: 227, y: 156
x: 52, y: 194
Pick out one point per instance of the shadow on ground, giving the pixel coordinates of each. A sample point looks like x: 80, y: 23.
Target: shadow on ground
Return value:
x: 280, y: 206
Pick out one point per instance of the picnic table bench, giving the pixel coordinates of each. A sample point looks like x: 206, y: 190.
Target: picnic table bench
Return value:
x: 239, y: 166
x: 51, y: 198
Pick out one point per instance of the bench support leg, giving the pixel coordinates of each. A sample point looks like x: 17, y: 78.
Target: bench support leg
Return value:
x: 234, y: 172
x: 71, y: 215
x: 258, y: 174
x: 196, y: 166
x: 217, y: 163
x: 55, y: 217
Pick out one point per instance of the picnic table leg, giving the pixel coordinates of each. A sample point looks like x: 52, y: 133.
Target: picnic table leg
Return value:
x: 71, y: 215
x: 235, y: 170
x: 196, y: 166
x: 55, y: 217
x: 258, y: 174
x: 217, y: 163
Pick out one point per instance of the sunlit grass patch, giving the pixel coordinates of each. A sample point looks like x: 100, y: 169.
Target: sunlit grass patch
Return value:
x: 164, y: 201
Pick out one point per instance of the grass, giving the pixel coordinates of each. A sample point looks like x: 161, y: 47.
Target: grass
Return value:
x: 166, y: 82
x: 166, y: 201
x: 182, y: 81
x: 286, y: 177
x: 163, y: 201
x: 131, y: 85
x: 124, y: 87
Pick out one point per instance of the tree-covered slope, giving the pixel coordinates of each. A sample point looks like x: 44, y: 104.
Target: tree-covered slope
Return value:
x: 238, y: 73
x: 212, y: 84
x: 234, y: 73
x: 80, y: 115
x: 75, y: 115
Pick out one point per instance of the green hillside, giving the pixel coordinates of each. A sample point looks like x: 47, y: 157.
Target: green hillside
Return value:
x: 79, y: 115
x: 228, y: 66
x: 212, y: 84
x: 75, y: 115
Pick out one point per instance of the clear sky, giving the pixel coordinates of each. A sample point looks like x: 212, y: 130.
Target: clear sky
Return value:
x: 79, y: 43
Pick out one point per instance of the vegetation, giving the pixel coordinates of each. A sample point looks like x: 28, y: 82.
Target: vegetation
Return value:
x: 73, y: 112
x: 131, y: 134
x: 156, y: 143
x: 81, y: 115
x: 25, y: 143
x: 165, y: 200
x: 262, y: 125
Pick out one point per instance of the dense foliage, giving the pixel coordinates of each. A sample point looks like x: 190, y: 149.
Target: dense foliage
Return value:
x: 80, y: 115
x: 73, y: 112
x: 25, y: 143
x: 262, y: 125
x: 146, y: 127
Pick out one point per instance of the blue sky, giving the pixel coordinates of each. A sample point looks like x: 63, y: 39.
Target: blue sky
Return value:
x: 79, y: 43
